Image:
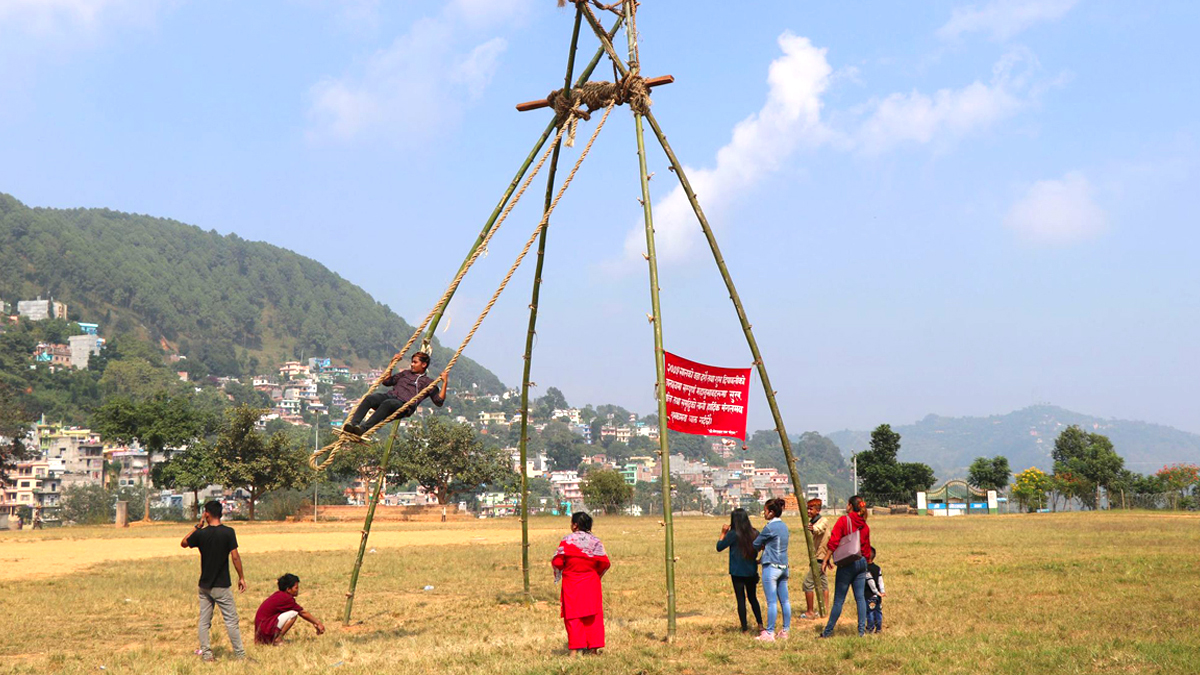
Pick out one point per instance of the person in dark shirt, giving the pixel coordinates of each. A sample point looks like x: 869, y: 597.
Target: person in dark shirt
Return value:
x: 738, y: 536
x: 405, y: 385
x: 217, y: 544
x: 278, y: 613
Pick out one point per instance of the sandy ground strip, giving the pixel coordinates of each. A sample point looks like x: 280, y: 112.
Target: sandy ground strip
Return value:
x: 57, y: 557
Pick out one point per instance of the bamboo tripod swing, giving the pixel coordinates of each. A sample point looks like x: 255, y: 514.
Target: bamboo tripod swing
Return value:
x: 569, y: 104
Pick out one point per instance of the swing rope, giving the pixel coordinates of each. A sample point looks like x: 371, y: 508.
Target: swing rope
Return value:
x: 345, y: 439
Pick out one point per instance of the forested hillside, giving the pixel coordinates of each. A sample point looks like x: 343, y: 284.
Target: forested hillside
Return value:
x: 233, y: 307
x: 1026, y: 437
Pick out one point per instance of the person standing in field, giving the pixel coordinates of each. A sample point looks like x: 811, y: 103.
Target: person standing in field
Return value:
x: 773, y: 542
x: 738, y: 536
x: 217, y: 544
x: 443, y: 514
x: 820, y: 531
x: 852, y: 573
x: 278, y: 613
x: 579, y: 564
x: 875, y: 595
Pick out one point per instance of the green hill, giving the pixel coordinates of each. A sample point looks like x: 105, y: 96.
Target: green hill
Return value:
x: 238, y: 307
x: 1026, y: 438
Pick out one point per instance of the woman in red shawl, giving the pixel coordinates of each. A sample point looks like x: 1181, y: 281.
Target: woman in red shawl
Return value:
x: 579, y: 564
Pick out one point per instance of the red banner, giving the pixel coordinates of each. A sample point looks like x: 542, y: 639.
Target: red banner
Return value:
x: 706, y: 400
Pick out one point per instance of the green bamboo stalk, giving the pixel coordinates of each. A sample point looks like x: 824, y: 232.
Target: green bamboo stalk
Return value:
x: 737, y: 303
x: 533, y: 307
x: 659, y: 359
x: 366, y: 531
x: 754, y: 351
x: 427, y: 341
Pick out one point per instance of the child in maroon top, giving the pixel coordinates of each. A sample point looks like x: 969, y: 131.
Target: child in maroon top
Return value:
x: 278, y: 613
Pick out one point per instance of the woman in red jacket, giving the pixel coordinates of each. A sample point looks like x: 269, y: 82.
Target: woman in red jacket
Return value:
x: 851, y: 574
x: 579, y: 564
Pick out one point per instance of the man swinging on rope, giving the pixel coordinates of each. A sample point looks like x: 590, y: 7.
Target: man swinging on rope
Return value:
x: 405, y: 385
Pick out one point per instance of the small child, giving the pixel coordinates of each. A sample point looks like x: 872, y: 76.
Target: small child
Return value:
x: 875, y: 595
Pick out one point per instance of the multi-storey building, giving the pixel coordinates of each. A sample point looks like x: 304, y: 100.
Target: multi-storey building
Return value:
x: 37, y: 485
x: 79, y: 450
x: 39, y: 310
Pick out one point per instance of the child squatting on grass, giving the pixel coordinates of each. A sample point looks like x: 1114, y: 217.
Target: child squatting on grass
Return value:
x: 738, y: 536
x: 773, y: 542
x: 278, y: 613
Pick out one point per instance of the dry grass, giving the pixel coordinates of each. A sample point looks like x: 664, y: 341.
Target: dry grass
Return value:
x: 1071, y: 593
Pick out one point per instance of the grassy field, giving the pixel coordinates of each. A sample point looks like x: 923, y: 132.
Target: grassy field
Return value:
x: 1069, y: 593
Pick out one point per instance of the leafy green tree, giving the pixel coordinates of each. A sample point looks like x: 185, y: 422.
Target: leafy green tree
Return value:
x: 193, y: 470
x: 1178, y: 479
x: 448, y: 459
x: 15, y: 422
x: 989, y: 473
x: 687, y: 497
x: 564, y: 448
x: 881, y: 474
x: 245, y: 458
x: 1088, y: 457
x: 1030, y: 488
x: 606, y: 490
x: 647, y: 495
x: 136, y: 379
x: 87, y: 504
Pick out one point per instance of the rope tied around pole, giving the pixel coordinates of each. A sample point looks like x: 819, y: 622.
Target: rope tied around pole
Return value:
x: 580, y: 102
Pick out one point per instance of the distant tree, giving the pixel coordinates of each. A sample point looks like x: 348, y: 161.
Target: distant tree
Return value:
x: 551, y: 401
x: 647, y: 495
x: 245, y: 458
x: 606, y: 490
x: 158, y: 422
x: 87, y: 504
x: 563, y: 447
x: 448, y: 459
x: 881, y: 474
x: 136, y: 379
x: 15, y: 423
x: 1178, y: 479
x: 193, y: 470
x: 539, y: 487
x: 1030, y: 488
x: 1087, y: 457
x: 687, y: 497
x: 989, y: 473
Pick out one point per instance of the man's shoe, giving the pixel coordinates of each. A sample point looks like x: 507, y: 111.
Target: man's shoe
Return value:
x: 351, y: 429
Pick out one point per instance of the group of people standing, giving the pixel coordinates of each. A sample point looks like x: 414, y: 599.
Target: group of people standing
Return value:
x: 836, y: 546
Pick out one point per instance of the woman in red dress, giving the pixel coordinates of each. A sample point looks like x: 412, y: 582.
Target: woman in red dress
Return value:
x: 579, y: 564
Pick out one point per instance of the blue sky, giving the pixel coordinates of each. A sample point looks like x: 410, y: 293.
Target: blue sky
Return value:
x: 939, y: 207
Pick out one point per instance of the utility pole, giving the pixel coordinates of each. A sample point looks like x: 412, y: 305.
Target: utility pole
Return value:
x: 854, y: 467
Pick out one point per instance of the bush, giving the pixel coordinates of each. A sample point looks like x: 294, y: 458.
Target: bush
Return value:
x: 87, y: 505
x: 280, y: 504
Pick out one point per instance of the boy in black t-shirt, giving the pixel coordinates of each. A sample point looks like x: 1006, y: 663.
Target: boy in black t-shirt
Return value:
x: 217, y: 544
x: 875, y: 594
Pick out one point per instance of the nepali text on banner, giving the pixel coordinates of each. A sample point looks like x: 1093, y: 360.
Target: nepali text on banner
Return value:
x: 706, y: 400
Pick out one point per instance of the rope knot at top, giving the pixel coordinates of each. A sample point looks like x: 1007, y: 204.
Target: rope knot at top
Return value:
x: 591, y: 96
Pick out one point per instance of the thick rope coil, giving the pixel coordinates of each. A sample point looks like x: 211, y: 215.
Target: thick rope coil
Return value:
x: 345, y: 438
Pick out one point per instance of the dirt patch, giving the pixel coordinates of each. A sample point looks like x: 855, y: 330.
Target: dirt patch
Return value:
x: 40, y: 559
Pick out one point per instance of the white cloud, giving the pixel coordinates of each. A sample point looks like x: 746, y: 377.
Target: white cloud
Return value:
x: 949, y: 113
x: 1003, y: 18
x: 1057, y: 212
x: 760, y: 144
x: 57, y: 17
x: 411, y: 88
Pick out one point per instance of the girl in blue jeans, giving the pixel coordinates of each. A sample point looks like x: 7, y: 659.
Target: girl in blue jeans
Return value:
x: 773, y: 542
x: 853, y: 575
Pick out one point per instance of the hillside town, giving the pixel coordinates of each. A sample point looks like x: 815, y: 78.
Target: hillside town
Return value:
x: 318, y: 392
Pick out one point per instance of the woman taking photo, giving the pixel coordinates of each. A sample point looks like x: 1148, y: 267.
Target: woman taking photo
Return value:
x: 773, y: 542
x: 851, y: 571
x: 579, y: 564
x: 738, y: 536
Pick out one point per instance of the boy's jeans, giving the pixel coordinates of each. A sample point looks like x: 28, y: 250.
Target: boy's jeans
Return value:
x: 222, y: 598
x: 875, y: 614
x: 774, y: 581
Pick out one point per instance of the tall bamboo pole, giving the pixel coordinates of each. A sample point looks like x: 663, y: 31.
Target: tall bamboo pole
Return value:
x: 659, y: 360
x: 427, y: 341
x: 533, y: 308
x: 366, y: 531
x: 737, y: 303
x: 797, y: 488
